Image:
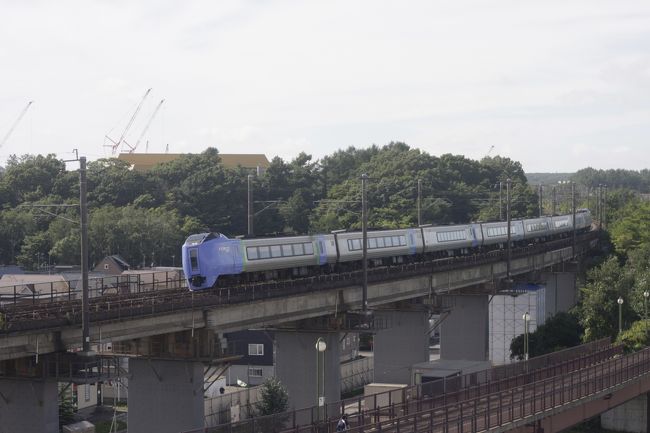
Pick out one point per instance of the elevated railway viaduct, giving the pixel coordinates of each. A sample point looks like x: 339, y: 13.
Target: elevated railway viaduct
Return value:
x: 177, y: 324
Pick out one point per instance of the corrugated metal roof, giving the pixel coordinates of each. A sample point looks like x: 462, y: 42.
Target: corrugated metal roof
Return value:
x: 146, y: 161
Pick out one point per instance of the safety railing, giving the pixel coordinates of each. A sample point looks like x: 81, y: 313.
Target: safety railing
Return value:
x: 437, y: 393
x: 515, y: 404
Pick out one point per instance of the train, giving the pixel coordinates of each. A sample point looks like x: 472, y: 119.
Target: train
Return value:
x: 211, y: 259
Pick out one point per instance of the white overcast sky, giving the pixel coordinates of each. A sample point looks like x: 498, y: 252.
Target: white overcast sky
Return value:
x: 556, y: 84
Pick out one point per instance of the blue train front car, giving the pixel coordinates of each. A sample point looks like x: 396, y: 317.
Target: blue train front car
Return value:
x: 206, y: 256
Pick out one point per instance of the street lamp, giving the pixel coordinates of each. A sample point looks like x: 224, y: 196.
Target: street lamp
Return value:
x: 526, y: 318
x: 620, y: 314
x: 645, y: 310
x: 320, y: 346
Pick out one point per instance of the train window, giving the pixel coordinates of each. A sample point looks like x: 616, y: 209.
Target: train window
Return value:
x: 309, y: 248
x: 396, y: 242
x: 402, y: 240
x: 276, y: 251
x: 455, y: 235
x: 380, y: 243
x: 252, y: 253
x: 286, y: 251
x: 265, y: 252
x: 388, y: 241
x: 355, y: 244
x: 194, y: 259
x: 298, y: 250
x: 372, y: 243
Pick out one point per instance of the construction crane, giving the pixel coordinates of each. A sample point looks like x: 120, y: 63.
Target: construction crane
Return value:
x: 116, y: 144
x: 488, y: 152
x: 146, y: 128
x: 22, y: 113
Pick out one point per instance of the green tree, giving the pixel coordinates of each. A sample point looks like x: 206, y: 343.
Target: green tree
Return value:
x: 273, y: 398
x: 632, y: 227
x: 636, y: 337
x: 558, y: 332
x: 598, y: 310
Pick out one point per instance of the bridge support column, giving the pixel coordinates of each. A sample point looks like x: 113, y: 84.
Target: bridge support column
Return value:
x: 165, y: 396
x: 631, y: 416
x: 28, y: 406
x: 299, y: 366
x: 561, y: 293
x: 464, y: 333
x: 403, y: 343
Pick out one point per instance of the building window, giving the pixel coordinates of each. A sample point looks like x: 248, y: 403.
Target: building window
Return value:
x: 106, y: 266
x: 256, y: 349
x: 86, y: 392
x: 254, y: 372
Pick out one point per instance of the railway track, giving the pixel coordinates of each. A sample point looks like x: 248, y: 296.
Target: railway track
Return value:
x: 64, y: 310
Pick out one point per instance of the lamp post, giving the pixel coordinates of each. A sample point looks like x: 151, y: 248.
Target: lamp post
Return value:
x: 526, y: 318
x: 321, y: 346
x: 620, y: 314
x: 645, y: 311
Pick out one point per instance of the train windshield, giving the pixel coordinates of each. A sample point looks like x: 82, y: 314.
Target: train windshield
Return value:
x: 194, y: 259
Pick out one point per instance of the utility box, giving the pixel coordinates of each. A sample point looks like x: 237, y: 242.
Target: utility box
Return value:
x: 79, y: 427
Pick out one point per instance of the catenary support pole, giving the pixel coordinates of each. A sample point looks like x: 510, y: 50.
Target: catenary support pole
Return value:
x: 364, y: 229
x: 500, y: 201
x: 554, y: 200
x: 508, y: 218
x: 83, y: 203
x: 250, y: 205
x: 573, y: 211
x: 541, y: 204
x: 419, y: 202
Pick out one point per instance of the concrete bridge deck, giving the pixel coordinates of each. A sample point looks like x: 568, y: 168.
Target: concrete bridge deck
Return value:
x: 55, y: 326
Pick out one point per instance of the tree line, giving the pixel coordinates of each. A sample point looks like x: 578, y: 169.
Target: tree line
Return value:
x: 145, y: 216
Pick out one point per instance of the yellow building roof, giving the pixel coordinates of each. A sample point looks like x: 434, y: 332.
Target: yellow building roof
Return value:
x: 146, y: 161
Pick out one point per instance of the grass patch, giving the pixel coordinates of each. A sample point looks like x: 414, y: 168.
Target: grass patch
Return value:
x: 105, y: 426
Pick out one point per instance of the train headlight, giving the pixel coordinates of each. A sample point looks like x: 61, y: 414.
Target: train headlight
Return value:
x: 197, y: 280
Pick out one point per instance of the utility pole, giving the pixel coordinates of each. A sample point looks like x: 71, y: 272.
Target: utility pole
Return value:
x: 541, y: 206
x: 573, y: 211
x: 83, y: 204
x: 364, y: 229
x: 419, y: 202
x: 250, y: 205
x: 508, y: 217
x: 599, y: 207
x: 500, y: 201
x: 605, y: 207
x: 553, y: 200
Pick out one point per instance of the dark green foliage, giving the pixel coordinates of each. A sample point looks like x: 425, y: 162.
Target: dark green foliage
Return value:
x: 145, y: 216
x: 66, y: 411
x: 558, y: 332
x: 274, y: 398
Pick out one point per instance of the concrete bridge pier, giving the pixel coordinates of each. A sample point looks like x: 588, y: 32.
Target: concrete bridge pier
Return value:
x: 464, y: 333
x: 165, y: 396
x: 28, y: 406
x: 403, y: 343
x: 300, y: 367
x: 561, y: 292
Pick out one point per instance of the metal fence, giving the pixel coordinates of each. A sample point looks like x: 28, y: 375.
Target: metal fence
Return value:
x: 394, y: 403
x: 518, y: 403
